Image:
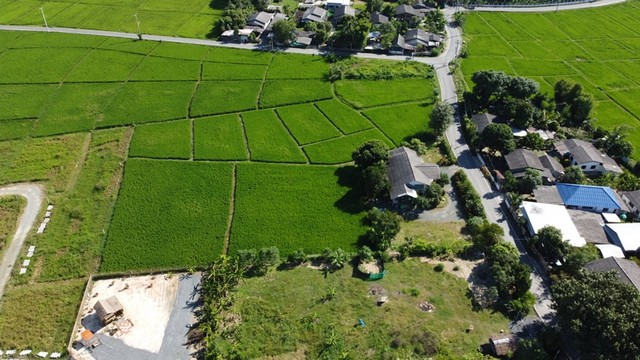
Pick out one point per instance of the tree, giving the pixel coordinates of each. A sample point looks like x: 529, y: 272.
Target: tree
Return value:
x: 533, y: 141
x: 573, y: 175
x: 283, y: 31
x: 524, y: 112
x: 388, y: 33
x: 521, y: 87
x: 580, y: 110
x: 441, y: 118
x: 599, y: 304
x: 529, y: 181
x: 351, y: 32
x: 383, y: 227
x: 435, y: 21
x: 374, y: 5
x: 375, y: 181
x: 578, y: 257
x: 549, y: 243
x: 561, y: 91
x: 488, y: 83
x: 459, y: 18
x: 499, y: 137
x: 416, y: 145
x: 372, y: 152
x: 430, y: 198
x: 487, y: 235
x: 616, y: 144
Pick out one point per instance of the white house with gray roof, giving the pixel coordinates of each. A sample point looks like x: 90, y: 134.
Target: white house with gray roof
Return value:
x: 409, y: 174
x: 315, y: 14
x: 587, y: 157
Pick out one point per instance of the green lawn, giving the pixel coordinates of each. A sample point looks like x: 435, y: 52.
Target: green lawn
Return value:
x: 596, y: 47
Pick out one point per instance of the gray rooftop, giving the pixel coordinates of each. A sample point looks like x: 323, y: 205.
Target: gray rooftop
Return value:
x: 406, y: 167
x: 634, y: 197
x: 377, y: 18
x: 260, y: 19
x: 552, y: 164
x: 520, y: 159
x: 548, y: 195
x: 482, y: 121
x: 315, y: 13
x: 342, y: 11
x: 590, y: 226
x: 628, y: 271
x: 406, y: 9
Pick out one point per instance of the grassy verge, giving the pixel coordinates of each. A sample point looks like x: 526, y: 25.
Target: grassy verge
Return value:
x: 10, y: 210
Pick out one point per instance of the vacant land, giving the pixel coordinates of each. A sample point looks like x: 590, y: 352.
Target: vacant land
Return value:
x: 597, y: 48
x: 190, y: 18
x: 306, y: 324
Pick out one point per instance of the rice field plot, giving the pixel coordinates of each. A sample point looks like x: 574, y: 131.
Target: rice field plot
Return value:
x: 367, y: 93
x: 140, y: 102
x: 167, y: 140
x: 180, y: 51
x: 533, y: 50
x: 288, y: 92
x: 344, y: 117
x: 307, y: 123
x: 402, y: 122
x: 15, y: 129
x: 169, y: 214
x: 217, y: 71
x: 612, y: 48
x: 76, y: 107
x: 338, y: 151
x: 13, y: 9
x: 236, y: 56
x: 292, y: 66
x: 505, y: 24
x: 219, y: 97
x: 567, y: 50
x: 603, y: 76
x: 129, y: 45
x: 34, y: 17
x: 157, y: 68
x: 219, y: 138
x: 292, y: 207
x: 199, y: 26
x: 491, y: 46
x: 628, y: 99
x: 269, y: 140
x: 23, y: 101
x: 94, y: 66
x: 531, y: 67
x: 38, y: 65
x: 483, y: 63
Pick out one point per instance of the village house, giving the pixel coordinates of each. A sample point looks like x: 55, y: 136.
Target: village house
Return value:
x: 503, y: 344
x: 259, y: 21
x: 343, y: 11
x: 334, y: 4
x: 587, y: 157
x: 315, y: 14
x: 519, y: 160
x: 625, y: 235
x: 399, y: 47
x: 421, y: 38
x: 408, y: 174
x: 377, y: 18
x: 628, y: 271
x: 408, y: 13
x: 632, y: 199
x: 601, y: 199
x: 539, y: 215
x: 483, y: 120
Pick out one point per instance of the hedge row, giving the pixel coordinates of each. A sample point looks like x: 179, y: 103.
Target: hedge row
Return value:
x: 468, y: 198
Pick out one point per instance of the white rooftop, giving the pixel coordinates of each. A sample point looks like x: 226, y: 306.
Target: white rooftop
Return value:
x: 626, y: 235
x: 540, y: 215
x: 611, y: 218
x: 610, y: 250
x: 338, y: 2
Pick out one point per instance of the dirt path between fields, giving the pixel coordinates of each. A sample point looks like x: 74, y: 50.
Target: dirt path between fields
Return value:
x: 34, y: 194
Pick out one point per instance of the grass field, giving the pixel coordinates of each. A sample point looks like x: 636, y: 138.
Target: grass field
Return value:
x: 596, y: 47
x: 151, y: 230
x: 191, y: 18
x: 302, y: 324
x: 291, y: 207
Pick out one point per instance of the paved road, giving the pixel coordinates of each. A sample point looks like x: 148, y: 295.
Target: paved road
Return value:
x: 558, y: 7
x: 34, y: 195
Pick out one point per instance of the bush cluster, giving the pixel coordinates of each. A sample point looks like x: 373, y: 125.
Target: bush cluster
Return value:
x: 468, y: 198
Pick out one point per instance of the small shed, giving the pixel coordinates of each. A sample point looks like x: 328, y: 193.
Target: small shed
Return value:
x: 503, y: 344
x: 108, y: 309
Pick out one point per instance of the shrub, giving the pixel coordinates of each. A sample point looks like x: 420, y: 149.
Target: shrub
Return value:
x: 467, y: 196
x: 439, y: 267
x: 297, y: 257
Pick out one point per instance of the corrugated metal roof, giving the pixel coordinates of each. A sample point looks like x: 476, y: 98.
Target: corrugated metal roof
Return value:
x: 628, y: 271
x: 597, y: 197
x: 405, y: 167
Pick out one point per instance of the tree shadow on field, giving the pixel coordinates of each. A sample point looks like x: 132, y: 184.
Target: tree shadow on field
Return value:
x: 351, y: 202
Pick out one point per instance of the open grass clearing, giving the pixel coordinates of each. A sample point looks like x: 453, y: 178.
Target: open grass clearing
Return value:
x: 268, y: 139
x: 140, y: 102
x: 219, y: 138
x: 338, y: 151
x: 292, y: 207
x: 402, y: 122
x: 344, y: 117
x: 218, y: 97
x: 151, y: 230
x: 271, y: 327
x: 307, y: 123
x: 367, y: 93
x: 167, y: 140
x: 287, y: 92
x: 76, y: 107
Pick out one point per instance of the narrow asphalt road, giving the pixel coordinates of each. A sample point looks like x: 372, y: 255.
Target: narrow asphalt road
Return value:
x: 34, y: 194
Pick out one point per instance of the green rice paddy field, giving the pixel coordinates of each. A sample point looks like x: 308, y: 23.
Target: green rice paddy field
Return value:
x: 599, y: 48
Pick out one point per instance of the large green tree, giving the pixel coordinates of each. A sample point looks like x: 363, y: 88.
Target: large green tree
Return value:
x: 601, y: 312
x: 530, y: 181
x: 351, y: 32
x: 374, y: 181
x: 550, y: 244
x: 373, y: 152
x: 283, y: 31
x: 573, y: 175
x: 498, y: 137
x: 383, y: 227
x: 441, y: 118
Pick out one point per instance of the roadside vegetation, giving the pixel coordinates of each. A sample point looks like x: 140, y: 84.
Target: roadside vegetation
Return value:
x: 10, y: 210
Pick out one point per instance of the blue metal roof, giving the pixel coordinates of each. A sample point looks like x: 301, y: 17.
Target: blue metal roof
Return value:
x: 598, y: 197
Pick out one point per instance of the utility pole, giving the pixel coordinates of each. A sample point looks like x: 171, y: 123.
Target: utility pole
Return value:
x: 138, y: 24
x: 45, y: 20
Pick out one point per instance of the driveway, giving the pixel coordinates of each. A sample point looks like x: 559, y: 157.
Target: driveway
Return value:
x: 34, y: 194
